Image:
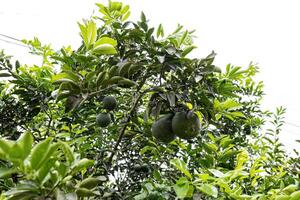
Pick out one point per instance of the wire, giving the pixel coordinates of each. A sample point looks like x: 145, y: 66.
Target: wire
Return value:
x: 292, y: 124
x: 12, y: 38
x: 13, y: 43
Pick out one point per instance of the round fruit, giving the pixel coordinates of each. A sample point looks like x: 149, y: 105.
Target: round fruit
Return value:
x: 103, y: 119
x: 109, y: 103
x: 72, y: 102
x: 162, y: 129
x: 186, y: 125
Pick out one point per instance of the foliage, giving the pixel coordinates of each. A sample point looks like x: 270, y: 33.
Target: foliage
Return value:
x: 53, y: 145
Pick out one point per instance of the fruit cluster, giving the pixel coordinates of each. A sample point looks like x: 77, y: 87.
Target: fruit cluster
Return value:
x: 104, y: 119
x: 185, y: 125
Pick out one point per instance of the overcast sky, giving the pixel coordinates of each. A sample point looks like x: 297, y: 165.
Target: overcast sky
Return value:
x: 266, y: 32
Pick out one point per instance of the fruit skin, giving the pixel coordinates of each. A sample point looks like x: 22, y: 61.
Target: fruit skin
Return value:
x: 186, y: 125
x: 162, y: 129
x: 103, y: 119
x: 109, y: 103
x: 72, y: 102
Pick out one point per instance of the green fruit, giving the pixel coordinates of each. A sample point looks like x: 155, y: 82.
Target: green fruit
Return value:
x: 186, y: 125
x: 162, y: 129
x: 72, y: 102
x: 109, y: 103
x: 103, y: 119
x: 145, y: 168
x: 137, y: 167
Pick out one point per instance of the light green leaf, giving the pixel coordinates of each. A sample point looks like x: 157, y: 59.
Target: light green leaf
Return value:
x: 216, y: 173
x: 81, y: 165
x: 295, y: 195
x: 39, y: 153
x: 105, y: 49
x: 16, y: 154
x: 105, y: 40
x: 6, y: 146
x: 237, y: 114
x: 88, y: 33
x: 125, y: 17
x: 183, y: 188
x: 25, y: 141
x: 209, y: 190
x: 160, y: 31
x: 68, y: 153
x: 66, y: 75
x: 185, y: 34
x: 242, y: 157
x: 181, y: 165
x: 43, y: 173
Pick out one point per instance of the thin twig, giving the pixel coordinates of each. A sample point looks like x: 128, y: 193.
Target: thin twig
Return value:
x: 126, y: 122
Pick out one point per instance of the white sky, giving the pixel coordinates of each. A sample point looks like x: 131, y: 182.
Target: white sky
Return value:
x: 263, y: 31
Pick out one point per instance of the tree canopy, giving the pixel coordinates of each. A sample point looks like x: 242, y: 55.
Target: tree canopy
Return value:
x: 130, y: 115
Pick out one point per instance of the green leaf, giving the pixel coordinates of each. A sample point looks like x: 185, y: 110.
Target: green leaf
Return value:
x: 21, y: 195
x: 89, y: 183
x: 187, y: 50
x: 63, y: 94
x: 183, y: 188
x: 6, y: 172
x: 125, y: 17
x: 228, y: 105
x: 66, y: 75
x: 225, y: 142
x: 81, y: 165
x: 4, y: 74
x: 216, y: 173
x: 126, y: 83
x: 105, y: 49
x: 181, y: 165
x: 290, y: 188
x: 160, y: 31
x: 183, y: 37
x: 39, y: 153
x: 16, y: 154
x: 6, y: 146
x: 295, y: 195
x: 209, y: 190
x: 25, y: 141
x: 68, y: 153
x: 74, y: 84
x: 125, y: 9
x: 88, y: 33
x: 83, y: 192
x: 237, y: 114
x: 43, y: 173
x: 105, y: 40
x: 242, y: 157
